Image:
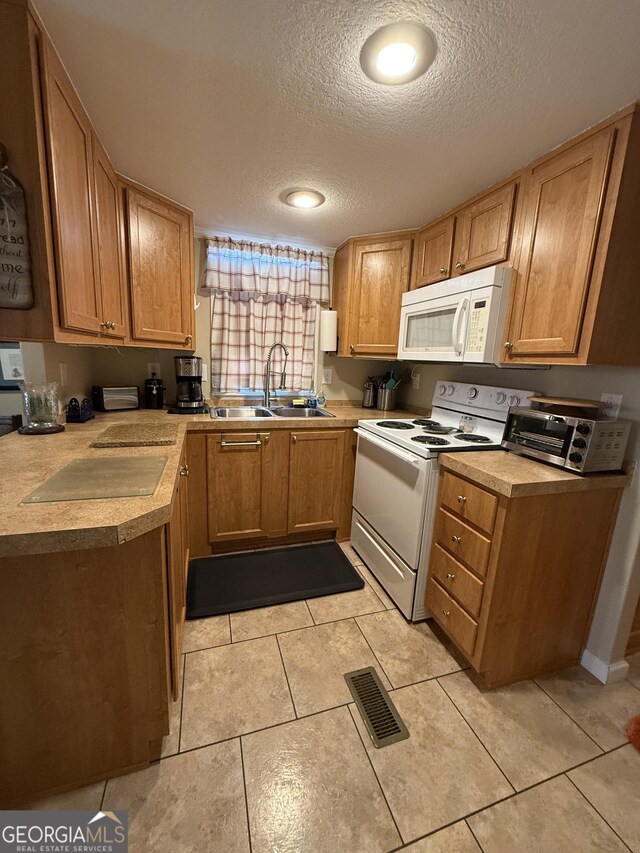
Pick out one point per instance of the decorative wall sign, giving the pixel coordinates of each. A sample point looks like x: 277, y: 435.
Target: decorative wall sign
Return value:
x: 11, y: 367
x: 16, y: 290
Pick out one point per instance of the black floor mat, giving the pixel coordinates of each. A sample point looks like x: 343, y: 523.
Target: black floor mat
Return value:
x: 226, y: 584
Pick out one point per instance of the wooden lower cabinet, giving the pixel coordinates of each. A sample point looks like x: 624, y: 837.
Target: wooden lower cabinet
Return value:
x: 316, y: 459
x: 633, y: 644
x: 516, y: 594
x: 177, y: 533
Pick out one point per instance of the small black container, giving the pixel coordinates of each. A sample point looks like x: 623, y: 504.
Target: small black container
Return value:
x: 153, y: 394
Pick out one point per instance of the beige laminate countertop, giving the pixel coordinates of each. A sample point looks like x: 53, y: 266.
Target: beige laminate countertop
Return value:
x: 27, y: 461
x: 516, y: 476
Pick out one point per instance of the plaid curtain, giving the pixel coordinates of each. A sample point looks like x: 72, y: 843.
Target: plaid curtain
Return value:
x: 262, y: 294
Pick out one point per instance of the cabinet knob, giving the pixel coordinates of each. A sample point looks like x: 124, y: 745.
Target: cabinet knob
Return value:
x: 459, y: 266
x: 443, y: 271
x: 294, y: 439
x: 112, y: 325
x: 352, y: 349
x: 462, y: 499
x: 104, y: 325
x: 508, y: 345
x: 450, y: 576
x: 184, y: 470
x: 188, y: 339
x: 456, y: 539
x: 446, y: 613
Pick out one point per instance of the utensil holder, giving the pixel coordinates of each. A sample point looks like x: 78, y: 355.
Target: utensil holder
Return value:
x: 387, y: 400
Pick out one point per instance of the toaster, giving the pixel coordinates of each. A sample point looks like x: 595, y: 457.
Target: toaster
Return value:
x: 114, y: 398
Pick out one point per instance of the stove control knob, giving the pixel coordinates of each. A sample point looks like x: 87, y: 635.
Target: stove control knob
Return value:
x: 450, y: 390
x: 442, y: 390
x: 501, y: 397
x: 514, y: 400
x: 579, y: 442
x: 583, y: 429
x: 575, y: 457
x: 472, y: 393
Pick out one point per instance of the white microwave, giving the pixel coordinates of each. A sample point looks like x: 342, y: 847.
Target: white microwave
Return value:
x: 460, y: 320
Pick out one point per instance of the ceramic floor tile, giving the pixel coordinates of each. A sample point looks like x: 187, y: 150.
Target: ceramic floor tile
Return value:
x: 316, y: 660
x: 441, y: 772
x: 205, y: 633
x: 193, y: 803
x: 354, y: 558
x: 407, y: 652
x: 375, y: 586
x: 550, y: 818
x: 634, y: 669
x: 87, y: 798
x: 601, y: 710
x: 310, y: 787
x: 233, y: 690
x: 454, y: 839
x: 249, y: 624
x: 612, y: 786
x: 344, y: 605
x: 527, y: 734
x: 171, y: 743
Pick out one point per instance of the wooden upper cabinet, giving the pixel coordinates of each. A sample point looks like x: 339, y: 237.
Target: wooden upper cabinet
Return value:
x: 160, y: 236
x: 370, y: 277
x: 316, y: 460
x: 562, y: 207
x: 483, y: 231
x: 432, y: 250
x: 109, y: 235
x: 70, y: 154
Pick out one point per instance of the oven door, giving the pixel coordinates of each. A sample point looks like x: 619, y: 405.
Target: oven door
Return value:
x: 389, y: 493
x: 434, y: 329
x: 542, y: 436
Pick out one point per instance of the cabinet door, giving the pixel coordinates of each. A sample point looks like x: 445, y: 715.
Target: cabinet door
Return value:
x: 432, y: 253
x: 380, y: 277
x: 483, y: 231
x: 247, y: 482
x: 315, y: 470
x: 69, y: 148
x: 108, y: 219
x: 160, y: 258
x: 178, y: 561
x: 563, y: 199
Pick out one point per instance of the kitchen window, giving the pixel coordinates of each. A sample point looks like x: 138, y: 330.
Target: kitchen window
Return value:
x: 262, y: 294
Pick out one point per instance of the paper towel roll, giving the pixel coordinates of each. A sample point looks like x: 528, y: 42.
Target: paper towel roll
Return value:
x: 328, y: 331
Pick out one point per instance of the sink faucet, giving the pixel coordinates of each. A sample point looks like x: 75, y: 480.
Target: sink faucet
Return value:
x: 267, y: 372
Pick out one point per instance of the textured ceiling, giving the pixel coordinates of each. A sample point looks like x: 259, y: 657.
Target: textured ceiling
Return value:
x: 223, y: 104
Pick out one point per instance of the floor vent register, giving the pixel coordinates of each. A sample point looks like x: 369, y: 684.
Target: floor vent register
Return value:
x: 380, y: 716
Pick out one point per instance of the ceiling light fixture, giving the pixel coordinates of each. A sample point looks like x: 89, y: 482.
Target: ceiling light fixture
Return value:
x: 398, y: 53
x: 305, y: 199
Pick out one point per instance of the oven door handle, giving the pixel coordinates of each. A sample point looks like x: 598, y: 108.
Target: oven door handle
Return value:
x: 390, y: 448
x: 458, y: 345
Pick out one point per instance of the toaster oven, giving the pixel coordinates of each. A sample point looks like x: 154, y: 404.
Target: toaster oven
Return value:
x: 580, y: 445
x: 114, y: 399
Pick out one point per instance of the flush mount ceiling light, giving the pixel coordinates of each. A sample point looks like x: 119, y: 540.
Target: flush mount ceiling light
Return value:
x: 398, y: 53
x: 305, y: 199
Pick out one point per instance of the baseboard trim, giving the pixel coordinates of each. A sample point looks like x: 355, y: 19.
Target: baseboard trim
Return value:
x: 607, y: 673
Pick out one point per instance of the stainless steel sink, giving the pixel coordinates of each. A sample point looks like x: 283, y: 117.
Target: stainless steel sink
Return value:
x: 241, y: 412
x: 295, y: 412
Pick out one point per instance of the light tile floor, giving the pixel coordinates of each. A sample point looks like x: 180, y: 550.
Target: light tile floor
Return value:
x: 268, y: 753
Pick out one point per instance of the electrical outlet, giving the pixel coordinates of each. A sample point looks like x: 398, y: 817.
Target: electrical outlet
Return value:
x: 153, y: 367
x: 64, y: 374
x: 415, y: 381
x: 205, y: 372
x: 613, y: 401
x: 327, y: 375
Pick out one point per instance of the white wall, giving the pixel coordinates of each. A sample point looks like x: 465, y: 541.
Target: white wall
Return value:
x: 621, y: 582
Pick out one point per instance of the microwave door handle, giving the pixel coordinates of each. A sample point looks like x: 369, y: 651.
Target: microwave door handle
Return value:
x: 457, y: 323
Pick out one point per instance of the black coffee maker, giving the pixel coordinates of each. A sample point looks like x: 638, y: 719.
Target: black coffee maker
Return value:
x: 189, y: 397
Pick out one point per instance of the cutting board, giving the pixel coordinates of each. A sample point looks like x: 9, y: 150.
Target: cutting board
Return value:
x: 137, y: 435
x: 90, y: 479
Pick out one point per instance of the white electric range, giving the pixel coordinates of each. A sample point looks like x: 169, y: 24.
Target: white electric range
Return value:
x: 396, y: 481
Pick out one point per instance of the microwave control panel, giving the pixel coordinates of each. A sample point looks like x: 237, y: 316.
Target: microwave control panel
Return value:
x: 478, y: 325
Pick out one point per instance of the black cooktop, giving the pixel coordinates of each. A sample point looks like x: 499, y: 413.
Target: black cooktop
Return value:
x: 439, y: 430
x: 432, y: 440
x: 473, y: 438
x: 394, y: 425
x: 427, y: 422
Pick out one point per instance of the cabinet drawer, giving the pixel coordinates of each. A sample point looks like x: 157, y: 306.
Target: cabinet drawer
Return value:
x: 469, y: 501
x: 451, y: 617
x: 465, y: 544
x: 459, y: 582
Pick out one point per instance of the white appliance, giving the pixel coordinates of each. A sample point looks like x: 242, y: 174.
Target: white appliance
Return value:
x: 460, y: 320
x: 396, y: 482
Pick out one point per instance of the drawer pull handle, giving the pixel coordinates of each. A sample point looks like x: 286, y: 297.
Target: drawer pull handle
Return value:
x: 446, y: 613
x: 184, y: 471
x: 456, y: 539
x: 450, y: 576
x: 462, y: 499
x: 240, y: 443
